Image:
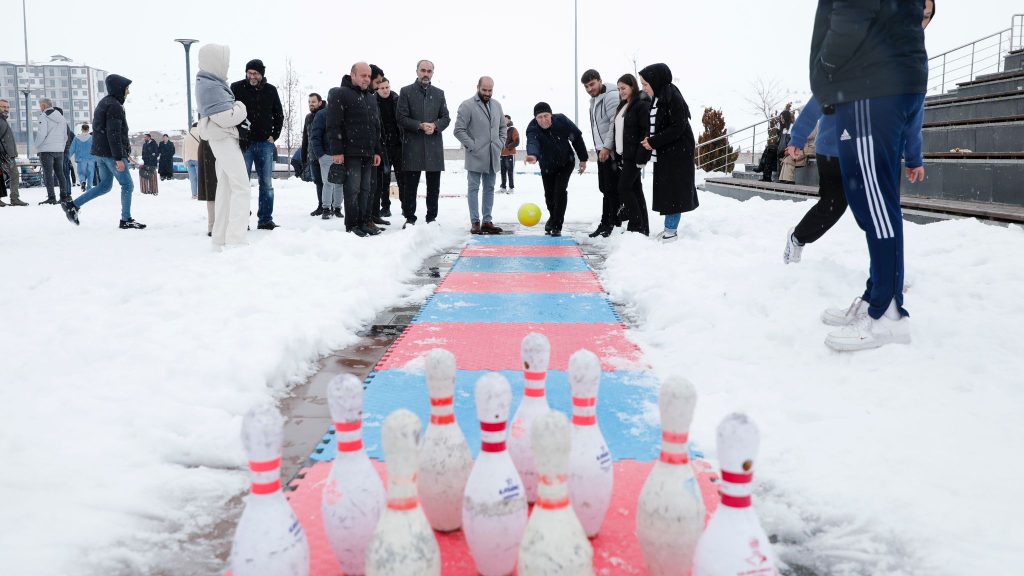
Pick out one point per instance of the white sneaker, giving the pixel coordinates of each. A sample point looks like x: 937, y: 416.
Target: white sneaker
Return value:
x: 793, y: 249
x: 839, y: 317
x: 867, y: 333
x: 665, y: 236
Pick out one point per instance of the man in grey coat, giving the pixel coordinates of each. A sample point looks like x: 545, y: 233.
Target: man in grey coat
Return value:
x: 8, y: 153
x: 51, y: 137
x: 480, y: 128
x: 422, y: 115
x: 604, y: 103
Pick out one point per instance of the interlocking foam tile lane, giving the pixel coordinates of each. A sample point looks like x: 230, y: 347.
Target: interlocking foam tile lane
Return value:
x: 508, y: 251
x: 494, y: 346
x: 616, y: 549
x: 521, y: 240
x: 627, y: 409
x: 501, y: 307
x: 534, y: 282
x: 520, y: 264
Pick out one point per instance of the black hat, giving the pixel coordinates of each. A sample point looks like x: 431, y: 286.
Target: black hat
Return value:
x: 257, y: 65
x: 540, y: 108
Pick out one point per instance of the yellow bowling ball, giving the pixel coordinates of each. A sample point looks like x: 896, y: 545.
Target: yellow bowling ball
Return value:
x: 529, y: 214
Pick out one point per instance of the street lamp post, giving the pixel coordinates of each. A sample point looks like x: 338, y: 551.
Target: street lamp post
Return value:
x: 576, y: 59
x: 28, y: 86
x: 187, y: 43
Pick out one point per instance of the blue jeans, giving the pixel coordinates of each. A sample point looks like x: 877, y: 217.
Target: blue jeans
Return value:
x: 474, y: 187
x: 85, y: 172
x: 108, y: 172
x: 193, y: 177
x: 672, y: 221
x: 262, y: 155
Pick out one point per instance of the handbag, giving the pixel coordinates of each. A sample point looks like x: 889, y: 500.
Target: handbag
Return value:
x: 337, y: 173
x: 243, y: 134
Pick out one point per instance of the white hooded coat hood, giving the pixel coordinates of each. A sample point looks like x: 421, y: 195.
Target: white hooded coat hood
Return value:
x: 214, y: 58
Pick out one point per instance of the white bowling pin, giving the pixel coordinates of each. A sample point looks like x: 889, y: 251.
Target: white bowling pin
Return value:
x: 590, y: 466
x: 445, y: 459
x: 536, y: 357
x: 494, y: 512
x: 353, y: 495
x: 269, y: 541
x: 670, y: 511
x: 734, y: 542
x: 554, y: 543
x: 403, y: 542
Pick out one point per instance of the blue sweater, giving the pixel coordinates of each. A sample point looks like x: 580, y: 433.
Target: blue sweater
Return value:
x: 82, y: 149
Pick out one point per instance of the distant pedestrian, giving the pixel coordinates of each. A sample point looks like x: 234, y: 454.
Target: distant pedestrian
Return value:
x: 672, y: 146
x: 333, y: 174
x: 552, y: 140
x: 266, y: 119
x: 220, y: 118
x: 51, y: 138
x: 9, y: 155
x: 508, y: 156
x: 190, y: 156
x: 480, y: 128
x: 81, y: 151
x: 148, y: 177
x: 112, y: 151
x: 423, y: 116
x: 166, y: 158
x: 391, y: 139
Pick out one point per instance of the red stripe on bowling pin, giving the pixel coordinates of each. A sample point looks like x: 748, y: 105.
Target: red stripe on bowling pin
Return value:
x: 493, y: 427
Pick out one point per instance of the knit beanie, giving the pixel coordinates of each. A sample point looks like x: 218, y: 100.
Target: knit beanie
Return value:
x: 256, y: 65
x: 541, y: 108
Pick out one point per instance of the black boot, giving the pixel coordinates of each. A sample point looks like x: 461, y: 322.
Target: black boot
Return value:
x: 319, y: 210
x: 131, y: 224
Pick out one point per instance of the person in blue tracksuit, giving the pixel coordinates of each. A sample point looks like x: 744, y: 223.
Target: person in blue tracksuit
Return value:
x: 869, y: 68
x: 81, y: 150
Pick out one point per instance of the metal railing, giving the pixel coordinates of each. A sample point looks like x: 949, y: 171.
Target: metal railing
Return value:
x: 982, y: 56
x: 746, y: 143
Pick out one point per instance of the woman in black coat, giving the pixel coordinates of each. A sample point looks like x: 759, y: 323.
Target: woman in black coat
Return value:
x: 672, y: 146
x: 166, y: 149
x: 632, y: 125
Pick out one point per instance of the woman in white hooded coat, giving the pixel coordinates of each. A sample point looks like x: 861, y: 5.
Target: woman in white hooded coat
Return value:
x: 219, y: 117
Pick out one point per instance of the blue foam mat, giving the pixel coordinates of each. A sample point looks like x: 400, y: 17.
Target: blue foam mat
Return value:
x: 520, y: 264
x: 523, y: 240
x: 567, y: 308
x: 627, y: 409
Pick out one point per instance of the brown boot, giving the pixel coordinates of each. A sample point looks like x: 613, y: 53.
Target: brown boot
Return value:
x: 475, y: 229
x: 16, y: 200
x: 489, y: 228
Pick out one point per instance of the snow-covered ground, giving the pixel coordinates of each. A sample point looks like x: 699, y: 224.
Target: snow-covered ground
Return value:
x: 128, y: 357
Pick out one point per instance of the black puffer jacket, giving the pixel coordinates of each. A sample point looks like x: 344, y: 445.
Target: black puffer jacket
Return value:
x: 390, y: 134
x: 553, y: 148
x: 865, y: 50
x: 353, y: 121
x: 263, y: 107
x: 306, y: 125
x: 109, y: 124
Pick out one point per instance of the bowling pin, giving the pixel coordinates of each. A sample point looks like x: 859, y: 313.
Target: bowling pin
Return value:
x: 353, y: 495
x: 445, y: 459
x: 403, y: 542
x: 670, y: 512
x: 554, y: 543
x: 734, y: 542
x: 536, y: 357
x: 590, y: 465
x: 494, y: 512
x: 269, y: 541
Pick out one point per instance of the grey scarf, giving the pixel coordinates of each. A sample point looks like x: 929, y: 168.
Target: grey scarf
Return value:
x: 212, y: 94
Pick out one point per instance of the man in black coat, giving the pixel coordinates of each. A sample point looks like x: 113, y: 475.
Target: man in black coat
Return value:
x: 266, y: 117
x: 869, y: 66
x: 150, y: 160
x: 353, y: 139
x: 391, y: 139
x: 422, y: 115
x: 112, y: 150
x: 315, y: 104
x: 551, y: 140
x: 166, y: 158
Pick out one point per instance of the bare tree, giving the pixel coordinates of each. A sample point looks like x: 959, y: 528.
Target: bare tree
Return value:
x: 292, y: 108
x: 764, y: 96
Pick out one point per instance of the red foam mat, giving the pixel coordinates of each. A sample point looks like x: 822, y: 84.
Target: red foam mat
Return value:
x: 533, y: 282
x: 513, y: 251
x: 616, y: 549
x: 496, y: 346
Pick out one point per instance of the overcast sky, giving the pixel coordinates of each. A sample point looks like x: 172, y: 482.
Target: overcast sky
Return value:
x: 714, y: 48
